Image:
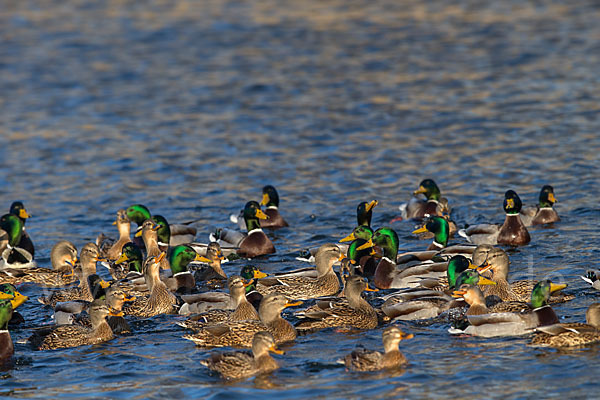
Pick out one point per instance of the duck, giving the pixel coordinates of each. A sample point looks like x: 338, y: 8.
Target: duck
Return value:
x: 160, y: 300
x: 240, y: 333
x: 202, y: 302
x: 240, y: 365
x: 9, y: 292
x: 181, y: 280
x: 270, y: 199
x: 303, y: 287
x: 88, y: 258
x: 6, y: 345
x: 543, y: 212
x: 63, y: 256
x: 456, y: 265
x: 243, y: 309
x: 434, y: 204
x: 17, y: 208
x: 11, y: 231
x: 173, y: 235
x: 129, y: 266
x: 253, y: 244
x: 214, y: 257
x: 355, y: 313
x: 512, y: 232
x: 150, y: 237
x: 111, y: 248
x: 570, y: 334
x: 178, y: 233
x: 364, y: 212
x: 365, y: 261
x: 517, y: 320
x: 370, y: 360
x: 66, y: 336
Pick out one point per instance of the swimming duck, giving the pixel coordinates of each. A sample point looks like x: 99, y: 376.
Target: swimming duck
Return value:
x: 512, y: 232
x: 240, y: 333
x: 355, y: 313
x: 270, y: 199
x: 150, y: 237
x: 301, y: 287
x: 571, y: 334
x: 171, y: 234
x: 433, y: 205
x: 129, y: 265
x: 89, y: 257
x: 111, y: 248
x: 17, y: 208
x: 253, y: 244
x: 370, y: 360
x: 63, y: 256
x: 6, y: 345
x: 160, y: 300
x: 243, y: 309
x: 64, y: 336
x: 521, y: 321
x: 456, y: 265
x: 11, y: 231
x: 542, y: 213
x: 366, y: 260
x: 179, y: 258
x: 214, y: 257
x: 364, y: 212
x: 10, y: 292
x: 238, y: 365
x: 202, y: 302
x: 178, y: 233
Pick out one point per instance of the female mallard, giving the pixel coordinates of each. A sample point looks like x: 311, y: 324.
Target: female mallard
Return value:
x: 243, y: 309
x: 202, y: 302
x: 17, y: 208
x: 433, y: 205
x: 515, y: 320
x: 148, y: 233
x: 89, y: 257
x: 214, y: 257
x: 571, y: 334
x: 302, y: 287
x: 241, y: 365
x: 177, y: 233
x: 179, y: 258
x: 240, y: 333
x: 356, y: 313
x: 110, y: 248
x: 64, y: 336
x: 370, y: 360
x: 160, y: 300
x: 6, y: 345
x: 512, y: 232
x: 542, y: 213
x: 253, y: 244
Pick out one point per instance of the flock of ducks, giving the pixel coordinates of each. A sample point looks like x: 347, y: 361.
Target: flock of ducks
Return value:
x: 161, y: 270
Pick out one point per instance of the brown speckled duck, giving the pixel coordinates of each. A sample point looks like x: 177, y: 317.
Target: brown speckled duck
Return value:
x: 110, y: 248
x: 571, y: 334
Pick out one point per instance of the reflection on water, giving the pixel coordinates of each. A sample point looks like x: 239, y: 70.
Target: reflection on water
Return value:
x: 190, y: 108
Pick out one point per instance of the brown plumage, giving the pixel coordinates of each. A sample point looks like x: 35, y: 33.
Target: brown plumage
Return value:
x: 255, y: 244
x: 150, y: 238
x: 369, y: 360
x: 110, y: 248
x: 571, y: 334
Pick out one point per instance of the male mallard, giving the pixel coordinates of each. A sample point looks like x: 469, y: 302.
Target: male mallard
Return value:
x: 355, y: 313
x: 515, y: 321
x: 64, y: 336
x: 129, y: 266
x: 178, y: 233
x: 542, y: 213
x: 512, y: 232
x: 253, y: 244
x: 17, y: 208
x: 173, y: 235
x: 179, y: 258
x: 111, y: 248
x: 11, y: 231
x: 160, y: 300
x: 370, y: 360
x: 240, y: 365
x: 6, y: 344
x: 240, y: 333
x: 89, y: 257
x: 456, y: 265
x: 571, y: 334
x: 148, y: 233
x: 270, y: 199
x: 243, y: 309
x: 433, y: 205
x: 214, y: 257
x: 9, y: 292
x: 301, y: 287
x: 364, y: 213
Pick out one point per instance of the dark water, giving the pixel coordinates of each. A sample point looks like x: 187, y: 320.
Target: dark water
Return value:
x: 192, y: 107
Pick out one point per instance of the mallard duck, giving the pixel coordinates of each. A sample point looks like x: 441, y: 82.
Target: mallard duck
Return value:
x: 214, y: 258
x: 270, y: 199
x: 433, y: 205
x: 243, y: 309
x: 473, y: 296
x: 17, y: 208
x: 111, y: 248
x: 512, y: 232
x: 89, y: 257
x: 65, y: 336
x: 129, y: 264
x: 63, y: 256
x: 148, y: 233
x: 456, y: 265
x: 519, y: 320
x: 370, y: 360
x: 253, y: 244
x: 179, y: 258
x: 10, y: 292
x: 542, y: 213
x: 301, y: 287
x: 202, y: 302
x: 364, y: 212
x: 240, y: 365
x: 177, y: 233
x: 6, y: 345
x: 240, y: 333
x: 571, y: 334
x: 160, y: 300
x: 356, y: 313
x: 11, y: 231
x: 365, y: 260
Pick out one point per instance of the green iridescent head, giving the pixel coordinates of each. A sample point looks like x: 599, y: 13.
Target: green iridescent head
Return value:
x: 360, y: 232
x: 9, y: 292
x: 252, y: 213
x: 270, y: 198
x: 472, y: 277
x: 138, y: 213
x: 131, y: 254
x: 180, y: 256
x: 6, y: 312
x: 364, y: 212
x: 542, y: 290
x: 429, y: 188
x: 387, y: 239
x: 512, y: 202
x: 164, y: 232
x: 547, y: 198
x: 17, y: 208
x: 439, y: 227
x: 97, y: 286
x: 13, y: 226
x: 457, y: 265
x: 251, y: 272
x: 354, y: 254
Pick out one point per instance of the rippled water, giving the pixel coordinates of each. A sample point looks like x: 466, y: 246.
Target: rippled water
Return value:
x: 191, y: 107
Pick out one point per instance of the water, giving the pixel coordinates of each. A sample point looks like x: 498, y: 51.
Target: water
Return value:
x: 190, y: 108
